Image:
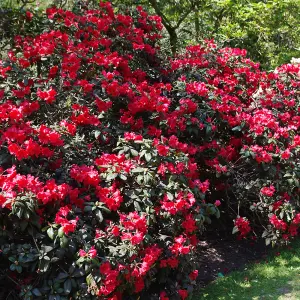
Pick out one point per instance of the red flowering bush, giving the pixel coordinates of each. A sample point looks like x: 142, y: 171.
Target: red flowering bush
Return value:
x: 95, y: 202
x: 245, y: 126
x: 114, y: 160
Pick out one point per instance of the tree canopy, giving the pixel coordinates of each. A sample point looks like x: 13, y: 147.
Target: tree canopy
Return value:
x: 269, y: 30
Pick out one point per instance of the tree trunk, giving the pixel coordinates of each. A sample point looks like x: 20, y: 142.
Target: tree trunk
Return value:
x: 197, y: 26
x: 173, y: 39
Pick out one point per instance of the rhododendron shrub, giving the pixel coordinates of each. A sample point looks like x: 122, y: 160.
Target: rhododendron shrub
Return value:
x: 273, y: 150
x: 95, y: 202
x: 114, y: 160
x: 244, y: 124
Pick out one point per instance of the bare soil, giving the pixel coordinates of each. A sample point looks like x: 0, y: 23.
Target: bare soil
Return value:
x: 219, y: 257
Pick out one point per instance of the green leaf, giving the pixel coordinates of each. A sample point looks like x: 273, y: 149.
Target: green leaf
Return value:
x: 208, y: 130
x: 140, y: 179
x: 4, y: 158
x: 235, y: 230
x: 80, y: 260
x: 12, y: 267
x: 19, y: 269
x: 148, y: 157
x: 281, y: 215
x: 207, y: 220
x: 123, y: 177
x: 111, y: 176
x: 68, y: 286
x: 54, y: 259
x: 88, y: 208
x: 134, y: 152
x: 50, y: 233
x: 138, y: 170
x: 78, y: 273
x: 36, y: 292
x: 61, y: 232
x: 64, y: 241
x: 236, y: 128
x: 105, y: 209
x: 46, y: 249
x: 44, y: 265
x: 265, y: 233
x: 99, y: 215
x: 20, y: 213
x: 12, y: 259
x: 137, y: 206
x: 170, y: 196
x: 62, y: 275
x: 97, y: 133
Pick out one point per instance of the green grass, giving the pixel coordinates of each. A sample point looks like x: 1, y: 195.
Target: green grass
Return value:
x: 278, y: 279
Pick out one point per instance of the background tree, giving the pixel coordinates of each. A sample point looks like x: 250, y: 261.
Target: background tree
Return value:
x: 270, y: 31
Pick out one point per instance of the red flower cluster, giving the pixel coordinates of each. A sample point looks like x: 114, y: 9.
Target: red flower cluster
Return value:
x: 68, y: 226
x: 243, y: 226
x: 268, y: 191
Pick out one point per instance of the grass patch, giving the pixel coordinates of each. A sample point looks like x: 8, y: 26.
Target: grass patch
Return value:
x: 277, y: 277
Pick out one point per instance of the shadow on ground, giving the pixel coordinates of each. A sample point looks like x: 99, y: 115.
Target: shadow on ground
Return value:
x: 275, y: 277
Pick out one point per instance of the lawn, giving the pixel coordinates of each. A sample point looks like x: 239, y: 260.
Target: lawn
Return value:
x: 277, y: 277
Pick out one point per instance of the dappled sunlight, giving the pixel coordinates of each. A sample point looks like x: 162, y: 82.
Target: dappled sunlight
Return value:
x: 279, y: 279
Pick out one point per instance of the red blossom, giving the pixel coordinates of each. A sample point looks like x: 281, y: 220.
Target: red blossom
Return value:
x: 48, y: 96
x: 268, y: 191
x: 183, y: 294
x: 243, y: 226
x: 193, y: 275
x: 29, y: 15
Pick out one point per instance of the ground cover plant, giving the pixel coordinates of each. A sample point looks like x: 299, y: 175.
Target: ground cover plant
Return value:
x: 115, y: 158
